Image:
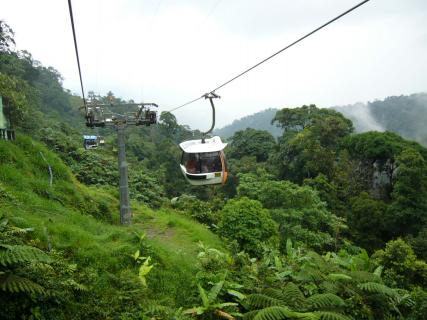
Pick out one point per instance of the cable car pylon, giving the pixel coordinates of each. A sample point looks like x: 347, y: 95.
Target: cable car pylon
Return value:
x: 98, y: 116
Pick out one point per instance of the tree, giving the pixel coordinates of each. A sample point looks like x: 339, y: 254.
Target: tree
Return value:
x: 168, y: 121
x: 7, y: 40
x: 375, y: 154
x: 368, y: 221
x: 19, y: 98
x: 298, y: 119
x: 295, y: 119
x: 409, y: 202
x: 298, y: 211
x: 310, y: 142
x: 401, y: 266
x: 247, y: 222
x: 251, y: 142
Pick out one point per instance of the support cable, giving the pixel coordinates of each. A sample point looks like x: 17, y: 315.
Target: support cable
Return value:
x: 276, y: 53
x: 77, y: 53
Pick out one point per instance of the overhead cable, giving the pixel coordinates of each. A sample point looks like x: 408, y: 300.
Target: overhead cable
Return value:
x: 276, y: 53
x: 186, y: 104
x: 77, y: 52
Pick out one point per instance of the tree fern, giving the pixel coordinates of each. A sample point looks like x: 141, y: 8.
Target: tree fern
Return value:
x: 364, y: 276
x: 290, y: 303
x: 329, y: 315
x: 339, y: 277
x: 250, y: 315
x: 325, y: 301
x: 213, y: 293
x: 257, y: 300
x: 274, y: 293
x: 310, y: 273
x: 279, y: 313
x: 15, y: 254
x: 292, y: 295
x: 15, y: 284
x: 374, y: 287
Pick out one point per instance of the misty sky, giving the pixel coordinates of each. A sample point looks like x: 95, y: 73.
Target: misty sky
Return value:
x: 169, y: 52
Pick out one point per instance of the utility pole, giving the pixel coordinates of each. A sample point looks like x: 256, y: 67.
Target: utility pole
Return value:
x: 125, y: 211
x: 97, y: 116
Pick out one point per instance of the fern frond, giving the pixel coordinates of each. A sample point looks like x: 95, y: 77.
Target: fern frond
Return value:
x: 310, y: 274
x: 250, y: 315
x: 157, y: 310
x: 404, y: 299
x: 40, y: 267
x: 280, y: 313
x: 390, y: 317
x: 330, y: 287
x: 260, y: 301
x: 364, y: 276
x: 329, y: 315
x: 316, y: 260
x: 15, y: 284
x: 213, y: 293
x: 14, y: 254
x: 373, y: 287
x: 292, y: 295
x: 203, y: 296
x: 13, y: 231
x: 339, y: 277
x: 273, y: 293
x: 325, y: 301
x: 74, y: 285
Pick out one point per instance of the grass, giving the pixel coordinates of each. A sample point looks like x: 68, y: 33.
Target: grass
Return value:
x: 81, y: 223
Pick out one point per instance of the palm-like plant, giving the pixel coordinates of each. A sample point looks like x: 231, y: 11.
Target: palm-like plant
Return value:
x: 290, y: 303
x: 327, y: 288
x: 211, y: 307
x: 15, y: 257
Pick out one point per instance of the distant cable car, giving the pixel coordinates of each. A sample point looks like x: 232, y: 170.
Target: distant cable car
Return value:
x: 101, y: 140
x: 90, y: 142
x: 203, y: 161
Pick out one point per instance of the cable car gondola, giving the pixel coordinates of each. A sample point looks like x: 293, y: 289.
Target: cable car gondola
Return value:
x: 90, y: 142
x: 203, y: 161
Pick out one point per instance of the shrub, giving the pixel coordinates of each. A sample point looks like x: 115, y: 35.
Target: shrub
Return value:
x: 247, y: 222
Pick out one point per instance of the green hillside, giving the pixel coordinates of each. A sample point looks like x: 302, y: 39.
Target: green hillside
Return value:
x: 260, y: 121
x: 405, y: 115
x: 72, y: 224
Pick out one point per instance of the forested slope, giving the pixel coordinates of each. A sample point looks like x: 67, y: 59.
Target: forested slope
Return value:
x: 260, y: 121
x: 405, y: 115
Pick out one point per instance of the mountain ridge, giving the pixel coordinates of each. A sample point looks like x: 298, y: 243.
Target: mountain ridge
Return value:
x: 404, y: 114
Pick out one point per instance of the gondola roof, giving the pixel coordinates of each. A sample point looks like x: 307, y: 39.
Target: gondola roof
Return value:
x: 196, y: 146
x: 90, y: 137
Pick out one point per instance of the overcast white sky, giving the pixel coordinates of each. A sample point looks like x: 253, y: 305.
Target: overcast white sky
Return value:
x: 172, y: 51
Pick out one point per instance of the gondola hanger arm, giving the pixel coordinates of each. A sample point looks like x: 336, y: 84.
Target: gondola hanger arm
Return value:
x: 211, y: 95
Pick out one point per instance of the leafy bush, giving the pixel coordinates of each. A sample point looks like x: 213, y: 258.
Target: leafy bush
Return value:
x: 299, y: 212
x: 401, y: 266
x: 197, y: 209
x: 247, y: 222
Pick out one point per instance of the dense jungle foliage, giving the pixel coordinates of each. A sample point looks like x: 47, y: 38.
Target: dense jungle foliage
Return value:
x: 320, y: 223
